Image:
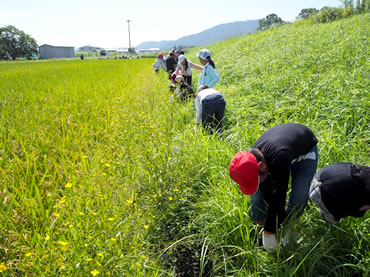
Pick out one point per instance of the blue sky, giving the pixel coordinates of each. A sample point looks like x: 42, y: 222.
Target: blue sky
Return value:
x: 103, y: 23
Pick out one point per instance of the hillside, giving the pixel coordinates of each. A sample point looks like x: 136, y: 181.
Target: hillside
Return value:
x: 314, y: 74
x: 211, y: 35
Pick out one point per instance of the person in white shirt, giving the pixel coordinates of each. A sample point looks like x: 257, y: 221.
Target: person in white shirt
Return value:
x: 184, y: 66
x: 159, y: 63
x: 210, y: 107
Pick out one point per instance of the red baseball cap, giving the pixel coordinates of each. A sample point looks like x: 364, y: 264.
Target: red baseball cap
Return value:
x: 243, y: 169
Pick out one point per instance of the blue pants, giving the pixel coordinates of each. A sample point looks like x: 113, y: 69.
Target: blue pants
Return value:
x: 213, y: 109
x: 302, y: 173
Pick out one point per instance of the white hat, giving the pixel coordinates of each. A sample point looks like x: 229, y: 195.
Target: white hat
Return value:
x: 182, y: 58
x: 203, y: 54
x: 178, y: 78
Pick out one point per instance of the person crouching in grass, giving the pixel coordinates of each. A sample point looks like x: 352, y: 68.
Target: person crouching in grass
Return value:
x: 210, y: 107
x: 263, y: 172
x: 340, y: 190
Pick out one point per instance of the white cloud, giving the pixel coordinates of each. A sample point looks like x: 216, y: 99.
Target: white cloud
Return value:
x: 16, y: 13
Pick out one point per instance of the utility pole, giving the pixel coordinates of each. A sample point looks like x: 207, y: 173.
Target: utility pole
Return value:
x: 129, y: 39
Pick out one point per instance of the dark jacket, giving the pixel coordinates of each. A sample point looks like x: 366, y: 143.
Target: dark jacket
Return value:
x: 343, y: 189
x: 171, y: 64
x: 280, y: 145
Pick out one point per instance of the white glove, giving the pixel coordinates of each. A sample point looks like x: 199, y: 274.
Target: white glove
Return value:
x: 270, y: 243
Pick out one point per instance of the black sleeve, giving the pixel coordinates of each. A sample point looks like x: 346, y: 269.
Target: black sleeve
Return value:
x: 276, y: 211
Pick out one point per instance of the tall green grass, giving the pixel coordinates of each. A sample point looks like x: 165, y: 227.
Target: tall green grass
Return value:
x: 101, y: 174
x: 316, y: 75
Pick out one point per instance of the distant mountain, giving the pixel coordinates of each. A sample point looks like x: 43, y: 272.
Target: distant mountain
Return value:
x: 211, y: 35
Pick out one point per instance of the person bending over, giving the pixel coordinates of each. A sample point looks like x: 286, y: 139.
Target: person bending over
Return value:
x: 283, y: 151
x: 159, y: 63
x: 210, y: 107
x: 340, y: 190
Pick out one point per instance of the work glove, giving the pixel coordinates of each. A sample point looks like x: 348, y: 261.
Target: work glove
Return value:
x: 270, y: 243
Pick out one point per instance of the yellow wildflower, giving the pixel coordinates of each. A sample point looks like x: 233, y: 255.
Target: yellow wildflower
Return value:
x: 107, y: 165
x: 94, y: 272
x: 56, y: 214
x: 89, y: 259
x: 113, y: 239
x: 111, y: 218
x: 68, y: 185
x: 28, y: 254
x: 170, y: 198
x: 63, y: 243
x: 129, y: 201
x: 104, y: 174
x: 81, y: 213
x: 47, y: 237
x: 176, y: 190
x: 146, y: 226
x: 2, y: 267
x: 62, y: 200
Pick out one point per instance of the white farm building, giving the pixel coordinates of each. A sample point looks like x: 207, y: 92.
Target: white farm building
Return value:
x: 56, y: 52
x: 89, y: 49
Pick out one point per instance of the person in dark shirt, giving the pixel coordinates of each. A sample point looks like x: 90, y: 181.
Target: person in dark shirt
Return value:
x: 264, y: 172
x: 171, y: 64
x: 340, y: 190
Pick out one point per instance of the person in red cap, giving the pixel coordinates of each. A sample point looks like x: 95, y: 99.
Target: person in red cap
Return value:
x: 159, y: 63
x: 283, y: 151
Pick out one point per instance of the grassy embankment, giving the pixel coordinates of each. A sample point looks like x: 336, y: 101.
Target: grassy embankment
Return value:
x: 101, y: 174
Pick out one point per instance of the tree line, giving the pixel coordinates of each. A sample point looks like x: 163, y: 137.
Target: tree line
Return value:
x: 15, y: 43
x: 325, y: 14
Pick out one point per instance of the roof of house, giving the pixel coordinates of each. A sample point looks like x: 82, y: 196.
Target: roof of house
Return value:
x: 56, y: 46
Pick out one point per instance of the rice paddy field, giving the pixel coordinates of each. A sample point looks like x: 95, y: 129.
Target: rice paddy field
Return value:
x: 102, y: 175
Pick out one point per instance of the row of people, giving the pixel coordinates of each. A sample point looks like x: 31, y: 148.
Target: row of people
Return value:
x: 209, y: 103
x: 289, y: 151
x: 284, y: 152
